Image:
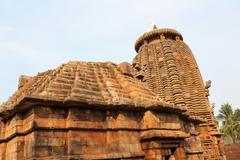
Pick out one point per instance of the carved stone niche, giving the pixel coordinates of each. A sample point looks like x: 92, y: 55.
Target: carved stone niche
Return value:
x: 177, y: 38
x: 162, y: 37
x: 139, y: 72
x: 206, y: 87
x: 125, y: 68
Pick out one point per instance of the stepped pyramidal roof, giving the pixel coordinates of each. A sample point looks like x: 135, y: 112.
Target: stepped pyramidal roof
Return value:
x: 87, y: 83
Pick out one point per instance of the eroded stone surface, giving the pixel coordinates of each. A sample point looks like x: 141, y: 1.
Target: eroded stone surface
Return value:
x: 168, y: 67
x: 232, y: 151
x: 156, y: 108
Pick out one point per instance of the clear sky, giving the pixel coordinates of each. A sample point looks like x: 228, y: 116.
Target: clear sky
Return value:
x: 40, y: 35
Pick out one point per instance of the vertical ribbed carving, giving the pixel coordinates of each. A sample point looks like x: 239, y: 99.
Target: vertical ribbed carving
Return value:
x: 156, y: 70
x: 173, y: 74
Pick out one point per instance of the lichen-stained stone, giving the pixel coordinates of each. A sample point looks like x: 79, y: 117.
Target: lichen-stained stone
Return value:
x: 154, y: 108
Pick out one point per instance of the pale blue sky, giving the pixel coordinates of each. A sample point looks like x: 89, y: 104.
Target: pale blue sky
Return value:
x: 40, y: 35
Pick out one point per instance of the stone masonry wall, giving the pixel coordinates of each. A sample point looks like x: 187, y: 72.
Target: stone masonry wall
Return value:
x: 74, y: 133
x: 232, y: 151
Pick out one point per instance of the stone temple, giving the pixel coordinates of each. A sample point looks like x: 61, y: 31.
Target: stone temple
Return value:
x: 155, y: 108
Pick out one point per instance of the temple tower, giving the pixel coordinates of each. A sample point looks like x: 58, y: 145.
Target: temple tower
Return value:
x: 169, y: 68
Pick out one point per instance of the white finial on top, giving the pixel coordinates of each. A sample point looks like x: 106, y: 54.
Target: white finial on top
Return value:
x: 152, y: 26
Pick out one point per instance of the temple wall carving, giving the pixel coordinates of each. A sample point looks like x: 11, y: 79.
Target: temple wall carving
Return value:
x: 46, y: 132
